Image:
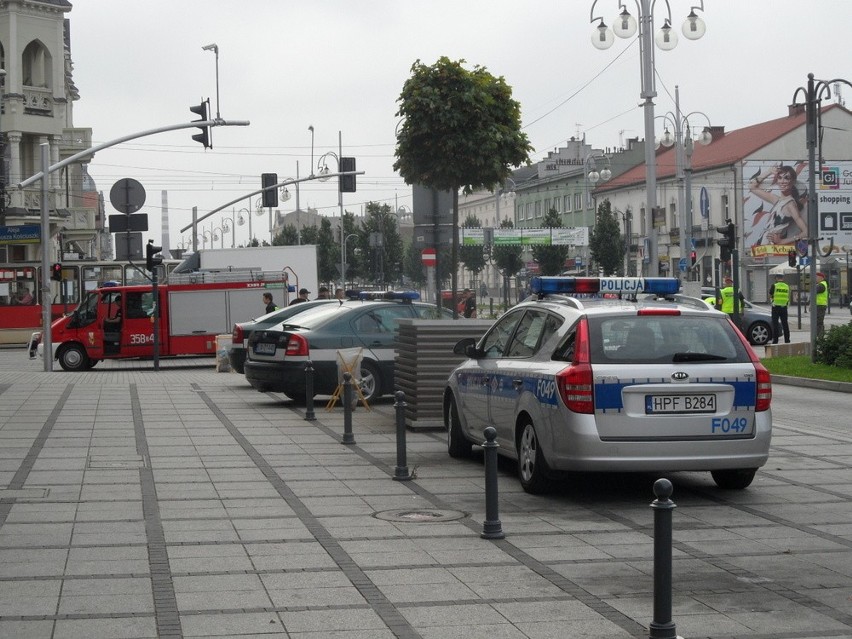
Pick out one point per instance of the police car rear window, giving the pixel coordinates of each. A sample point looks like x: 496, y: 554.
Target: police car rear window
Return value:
x: 652, y: 339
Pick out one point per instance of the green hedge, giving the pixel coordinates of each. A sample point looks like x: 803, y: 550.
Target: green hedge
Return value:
x: 834, y: 347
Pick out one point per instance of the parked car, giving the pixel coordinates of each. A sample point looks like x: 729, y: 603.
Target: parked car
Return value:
x: 243, y: 330
x: 644, y: 383
x: 277, y: 356
x: 755, y: 323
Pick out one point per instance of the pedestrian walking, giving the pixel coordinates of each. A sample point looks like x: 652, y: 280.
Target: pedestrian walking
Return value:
x: 270, y: 305
x: 779, y: 293
x: 821, y: 302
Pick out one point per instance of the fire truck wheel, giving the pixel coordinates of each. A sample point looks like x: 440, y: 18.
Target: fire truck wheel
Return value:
x: 72, y: 357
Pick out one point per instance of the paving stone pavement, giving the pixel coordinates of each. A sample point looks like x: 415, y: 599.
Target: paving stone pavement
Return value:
x: 182, y: 503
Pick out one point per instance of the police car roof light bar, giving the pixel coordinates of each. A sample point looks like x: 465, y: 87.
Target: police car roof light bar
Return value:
x: 553, y: 285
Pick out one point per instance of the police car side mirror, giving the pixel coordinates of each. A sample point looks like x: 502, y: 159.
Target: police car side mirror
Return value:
x: 465, y: 346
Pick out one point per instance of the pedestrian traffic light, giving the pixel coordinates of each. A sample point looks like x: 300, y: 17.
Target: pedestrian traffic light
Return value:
x: 729, y: 240
x: 269, y: 196
x: 692, y: 258
x: 791, y: 258
x: 204, y: 136
x: 152, y: 260
x: 56, y: 272
x: 347, y: 182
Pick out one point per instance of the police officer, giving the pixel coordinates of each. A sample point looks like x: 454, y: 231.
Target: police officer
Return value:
x: 725, y: 299
x: 821, y: 302
x: 779, y: 293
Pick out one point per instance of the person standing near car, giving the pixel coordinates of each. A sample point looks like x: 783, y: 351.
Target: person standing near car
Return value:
x: 468, y: 304
x: 270, y: 305
x: 725, y: 298
x: 303, y: 296
x: 821, y: 302
x: 779, y: 293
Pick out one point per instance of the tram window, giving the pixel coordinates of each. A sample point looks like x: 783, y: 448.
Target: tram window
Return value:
x: 68, y: 290
x: 17, y: 285
x: 95, y: 276
x: 135, y: 276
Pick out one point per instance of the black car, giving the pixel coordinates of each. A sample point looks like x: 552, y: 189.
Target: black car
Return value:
x: 277, y: 356
x: 243, y: 330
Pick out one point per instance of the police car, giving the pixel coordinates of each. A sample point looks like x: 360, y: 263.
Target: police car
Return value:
x: 613, y: 374
x: 276, y: 357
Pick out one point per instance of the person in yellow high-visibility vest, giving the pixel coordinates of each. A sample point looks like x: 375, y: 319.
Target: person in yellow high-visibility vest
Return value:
x: 779, y: 293
x: 725, y: 298
x: 821, y: 302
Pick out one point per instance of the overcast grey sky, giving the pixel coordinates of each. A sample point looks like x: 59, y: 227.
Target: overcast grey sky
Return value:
x: 339, y: 65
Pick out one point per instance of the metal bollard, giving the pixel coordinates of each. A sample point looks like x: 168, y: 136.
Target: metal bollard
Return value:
x: 309, y: 392
x: 348, y: 437
x: 491, y: 527
x: 662, y: 627
x: 400, y: 473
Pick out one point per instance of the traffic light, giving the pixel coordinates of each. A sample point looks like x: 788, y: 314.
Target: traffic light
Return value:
x: 204, y: 136
x: 692, y: 258
x: 269, y: 196
x: 791, y: 258
x: 729, y: 240
x: 347, y: 182
x: 56, y: 272
x: 152, y: 260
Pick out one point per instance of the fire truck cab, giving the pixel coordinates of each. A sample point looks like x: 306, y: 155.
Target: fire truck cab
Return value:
x: 117, y: 322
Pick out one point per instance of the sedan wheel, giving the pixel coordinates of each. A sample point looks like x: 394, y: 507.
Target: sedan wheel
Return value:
x: 759, y: 333
x: 371, y: 381
x: 734, y: 479
x: 457, y: 444
x: 532, y: 470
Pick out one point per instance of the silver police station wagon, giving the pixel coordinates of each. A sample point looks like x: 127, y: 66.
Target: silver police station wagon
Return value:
x: 613, y: 374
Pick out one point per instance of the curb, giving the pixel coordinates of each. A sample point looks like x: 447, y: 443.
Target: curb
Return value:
x: 804, y: 382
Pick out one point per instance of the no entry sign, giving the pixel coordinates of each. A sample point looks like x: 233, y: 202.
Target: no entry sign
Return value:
x: 428, y: 257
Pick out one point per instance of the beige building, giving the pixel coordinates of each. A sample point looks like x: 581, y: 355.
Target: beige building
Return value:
x: 38, y: 94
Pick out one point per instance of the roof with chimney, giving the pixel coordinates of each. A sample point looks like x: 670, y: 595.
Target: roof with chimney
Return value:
x: 726, y: 149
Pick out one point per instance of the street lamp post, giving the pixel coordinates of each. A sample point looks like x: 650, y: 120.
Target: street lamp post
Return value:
x: 215, y: 49
x: 343, y: 256
x: 592, y: 177
x: 322, y: 168
x: 815, y: 92
x: 684, y: 147
x: 624, y: 26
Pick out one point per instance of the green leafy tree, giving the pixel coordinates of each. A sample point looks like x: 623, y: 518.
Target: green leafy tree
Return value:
x: 606, y: 242
x: 412, y: 265
x: 309, y: 234
x: 287, y: 236
x: 551, y: 259
x: 328, y: 252
x: 472, y: 257
x: 351, y: 227
x: 508, y: 259
x: 381, y: 259
x: 461, y: 129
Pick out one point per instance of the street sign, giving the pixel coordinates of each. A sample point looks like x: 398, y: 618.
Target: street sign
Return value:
x: 682, y: 264
x: 127, y: 195
x: 128, y: 246
x: 804, y: 261
x: 704, y: 202
x: 124, y: 223
x: 428, y: 256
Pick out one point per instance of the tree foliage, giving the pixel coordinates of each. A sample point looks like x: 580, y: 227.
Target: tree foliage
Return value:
x: 507, y: 258
x: 472, y: 256
x: 460, y: 128
x: 381, y: 256
x: 551, y: 259
x: 606, y: 242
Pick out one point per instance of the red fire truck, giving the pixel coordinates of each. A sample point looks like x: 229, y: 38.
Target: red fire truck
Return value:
x: 117, y: 322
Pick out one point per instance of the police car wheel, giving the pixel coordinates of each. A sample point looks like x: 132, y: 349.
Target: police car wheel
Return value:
x: 457, y: 444
x: 733, y: 479
x: 532, y: 469
x: 371, y: 381
x: 72, y: 357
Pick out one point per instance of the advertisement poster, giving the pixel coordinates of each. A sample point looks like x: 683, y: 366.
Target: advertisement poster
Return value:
x: 775, y: 206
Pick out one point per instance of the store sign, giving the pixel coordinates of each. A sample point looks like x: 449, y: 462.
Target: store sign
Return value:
x: 20, y: 234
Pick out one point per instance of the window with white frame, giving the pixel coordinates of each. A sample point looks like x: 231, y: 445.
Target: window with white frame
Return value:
x: 567, y: 200
x: 578, y: 201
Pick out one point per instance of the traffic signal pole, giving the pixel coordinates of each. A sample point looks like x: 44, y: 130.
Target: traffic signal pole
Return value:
x: 47, y: 169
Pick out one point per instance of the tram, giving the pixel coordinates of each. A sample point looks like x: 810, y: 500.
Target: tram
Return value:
x: 21, y: 300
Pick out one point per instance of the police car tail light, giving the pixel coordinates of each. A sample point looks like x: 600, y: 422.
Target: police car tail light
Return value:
x: 764, y: 388
x: 237, y: 334
x: 575, y: 383
x: 297, y: 345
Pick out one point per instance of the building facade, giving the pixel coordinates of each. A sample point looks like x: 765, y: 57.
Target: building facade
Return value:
x: 38, y: 94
